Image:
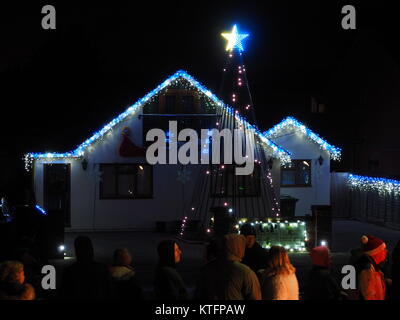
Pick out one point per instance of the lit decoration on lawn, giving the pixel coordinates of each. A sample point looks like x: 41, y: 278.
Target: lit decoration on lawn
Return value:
x: 381, y: 185
x: 179, y: 76
x: 291, y: 123
x: 235, y: 39
x: 292, y: 235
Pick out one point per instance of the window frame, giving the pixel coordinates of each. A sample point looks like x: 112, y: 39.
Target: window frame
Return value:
x: 229, y: 175
x: 296, y: 177
x: 117, y: 196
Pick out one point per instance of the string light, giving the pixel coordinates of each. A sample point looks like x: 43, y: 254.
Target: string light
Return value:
x: 291, y: 123
x: 272, y: 232
x: 381, y: 185
x: 180, y: 75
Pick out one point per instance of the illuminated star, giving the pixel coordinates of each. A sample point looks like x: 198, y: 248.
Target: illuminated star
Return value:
x: 235, y: 39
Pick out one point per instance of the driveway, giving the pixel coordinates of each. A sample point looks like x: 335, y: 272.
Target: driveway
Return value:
x: 143, y: 246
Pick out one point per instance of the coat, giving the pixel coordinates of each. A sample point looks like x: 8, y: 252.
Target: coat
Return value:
x: 225, y: 278
x: 89, y: 280
x: 322, y: 285
x: 168, y: 284
x: 371, y: 282
x: 280, y: 287
x: 125, y: 284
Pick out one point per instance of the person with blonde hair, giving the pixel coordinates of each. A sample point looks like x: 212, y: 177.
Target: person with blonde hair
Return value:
x: 278, y: 280
x: 12, y: 282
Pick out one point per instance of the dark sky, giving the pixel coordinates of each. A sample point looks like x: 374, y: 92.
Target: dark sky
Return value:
x: 60, y: 86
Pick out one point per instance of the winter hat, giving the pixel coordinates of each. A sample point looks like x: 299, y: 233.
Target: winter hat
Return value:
x: 320, y: 256
x: 247, y: 230
x: 372, y: 245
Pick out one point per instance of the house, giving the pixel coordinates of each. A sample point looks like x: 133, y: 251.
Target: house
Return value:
x: 307, y: 177
x: 106, y: 183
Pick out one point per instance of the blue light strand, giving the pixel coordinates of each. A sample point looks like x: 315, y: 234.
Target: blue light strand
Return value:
x: 290, y: 122
x: 42, y: 211
x: 381, y: 185
x: 279, y: 152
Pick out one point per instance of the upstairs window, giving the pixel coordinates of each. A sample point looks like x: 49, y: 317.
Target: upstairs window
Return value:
x: 296, y: 174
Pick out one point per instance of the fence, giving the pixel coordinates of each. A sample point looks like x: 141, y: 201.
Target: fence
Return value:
x: 375, y: 202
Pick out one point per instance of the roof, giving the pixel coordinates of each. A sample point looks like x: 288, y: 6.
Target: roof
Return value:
x: 290, y: 124
x: 79, y: 152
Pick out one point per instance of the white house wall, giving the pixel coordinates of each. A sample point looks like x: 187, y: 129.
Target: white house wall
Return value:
x: 171, y: 200
x: 319, y: 192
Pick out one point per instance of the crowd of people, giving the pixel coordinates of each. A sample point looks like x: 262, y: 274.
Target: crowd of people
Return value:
x: 236, y: 268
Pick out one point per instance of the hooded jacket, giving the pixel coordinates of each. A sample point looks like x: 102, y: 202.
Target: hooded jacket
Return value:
x: 168, y: 284
x: 225, y: 278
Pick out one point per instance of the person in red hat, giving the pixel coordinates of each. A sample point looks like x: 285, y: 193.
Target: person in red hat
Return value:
x: 371, y: 280
x: 321, y: 283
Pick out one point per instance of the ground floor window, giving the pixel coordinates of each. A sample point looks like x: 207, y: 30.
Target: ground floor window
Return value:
x: 224, y: 182
x: 126, y: 181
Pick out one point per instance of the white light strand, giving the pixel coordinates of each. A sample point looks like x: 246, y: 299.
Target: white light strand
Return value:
x: 80, y: 150
x: 291, y: 123
x: 381, y: 185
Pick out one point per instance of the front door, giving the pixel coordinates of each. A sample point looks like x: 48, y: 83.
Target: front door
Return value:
x: 57, y: 191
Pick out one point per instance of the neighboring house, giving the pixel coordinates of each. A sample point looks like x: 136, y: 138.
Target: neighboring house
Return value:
x: 107, y: 184
x: 307, y: 177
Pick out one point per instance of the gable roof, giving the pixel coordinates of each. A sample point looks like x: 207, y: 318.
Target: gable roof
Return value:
x: 291, y: 124
x: 277, y: 151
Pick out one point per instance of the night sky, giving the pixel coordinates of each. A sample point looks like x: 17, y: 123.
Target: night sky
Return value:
x: 59, y: 86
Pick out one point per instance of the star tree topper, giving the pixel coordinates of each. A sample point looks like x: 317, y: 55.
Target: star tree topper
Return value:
x: 235, y: 39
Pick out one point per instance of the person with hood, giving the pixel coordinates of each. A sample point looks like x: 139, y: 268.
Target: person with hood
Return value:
x: 322, y: 285
x: 371, y: 280
x: 226, y: 278
x: 168, y: 284
x: 254, y: 256
x: 124, y: 276
x: 278, y: 280
x: 86, y: 279
x: 12, y: 282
